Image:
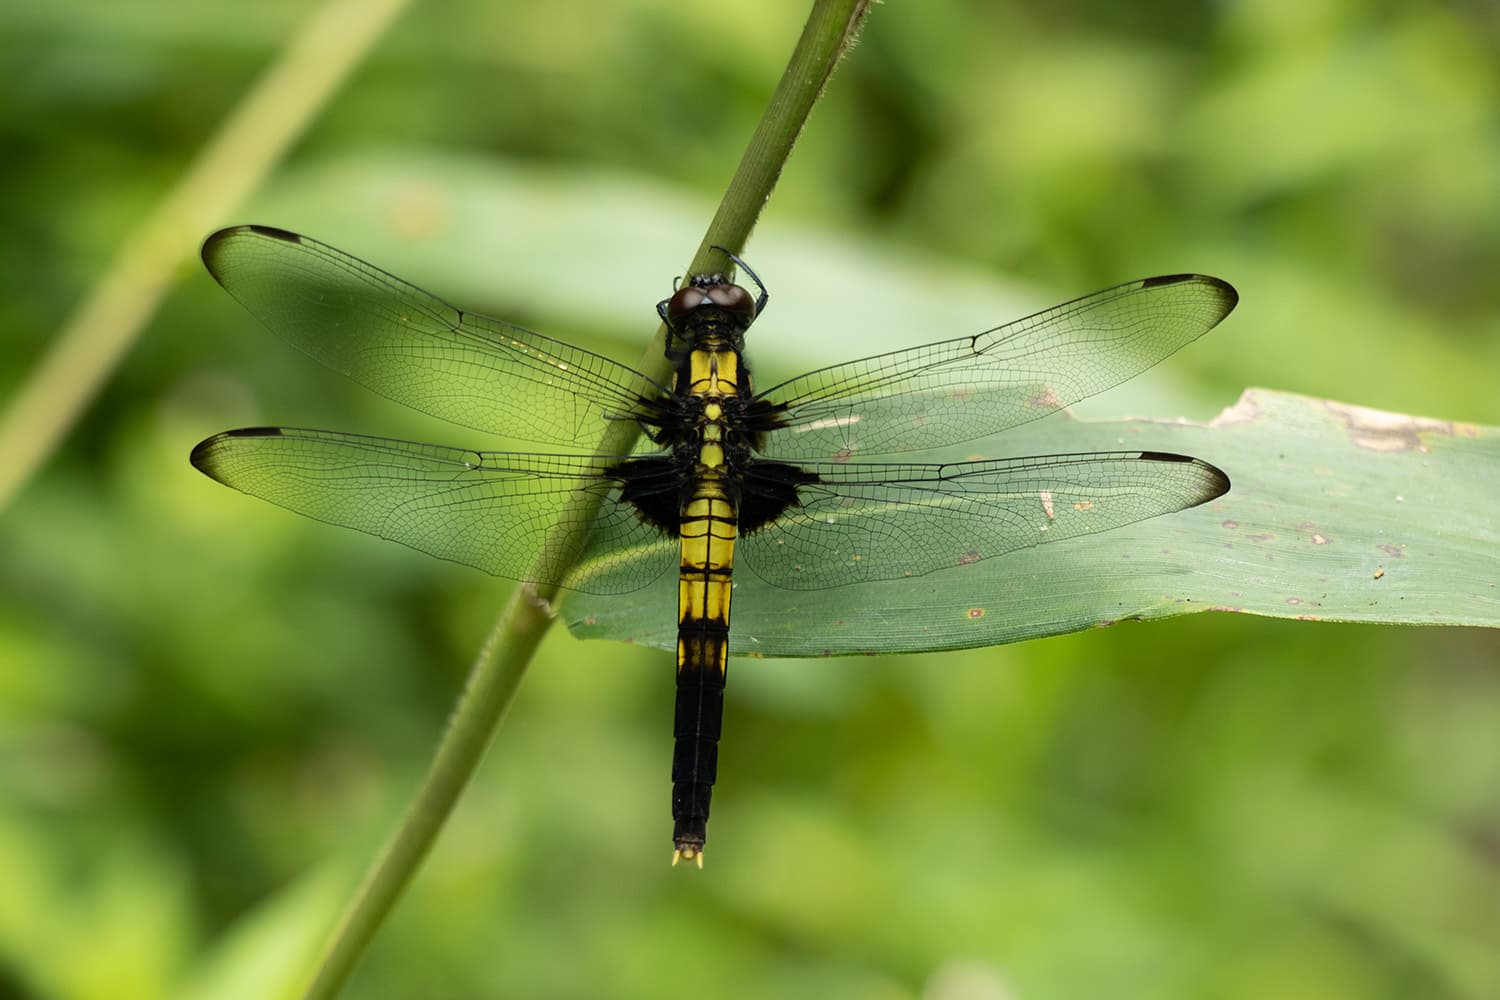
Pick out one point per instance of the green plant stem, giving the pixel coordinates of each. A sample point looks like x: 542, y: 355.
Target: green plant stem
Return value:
x: 829, y: 33
x: 327, y: 46
x: 492, y: 684
x: 497, y: 671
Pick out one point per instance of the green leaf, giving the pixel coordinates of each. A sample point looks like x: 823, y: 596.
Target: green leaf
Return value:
x: 1336, y: 513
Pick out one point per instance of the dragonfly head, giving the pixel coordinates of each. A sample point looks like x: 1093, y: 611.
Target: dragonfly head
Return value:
x: 710, y: 298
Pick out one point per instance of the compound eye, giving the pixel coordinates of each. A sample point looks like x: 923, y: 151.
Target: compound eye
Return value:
x: 684, y: 301
x: 733, y: 299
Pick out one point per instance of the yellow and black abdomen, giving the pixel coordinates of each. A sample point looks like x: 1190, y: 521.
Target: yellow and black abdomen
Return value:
x: 708, y: 527
x: 707, y: 487
x: 703, y: 590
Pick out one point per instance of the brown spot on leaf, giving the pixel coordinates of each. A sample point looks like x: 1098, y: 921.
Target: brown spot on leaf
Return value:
x: 975, y: 614
x: 1045, y: 399
x: 1231, y: 525
x: 1378, y: 430
x: 1294, y: 601
x: 1394, y: 551
x: 1262, y: 537
x: 1319, y: 540
x: 971, y: 556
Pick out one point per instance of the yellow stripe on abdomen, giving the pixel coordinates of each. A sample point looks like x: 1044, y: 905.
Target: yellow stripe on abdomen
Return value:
x: 701, y: 600
x: 708, y: 528
x: 708, y: 536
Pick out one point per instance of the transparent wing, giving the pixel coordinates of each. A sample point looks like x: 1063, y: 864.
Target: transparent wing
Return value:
x: 415, y: 348
x: 958, y: 390
x: 504, y: 513
x: 868, y: 521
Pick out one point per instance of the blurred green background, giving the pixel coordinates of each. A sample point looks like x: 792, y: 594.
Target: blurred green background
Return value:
x: 213, y: 710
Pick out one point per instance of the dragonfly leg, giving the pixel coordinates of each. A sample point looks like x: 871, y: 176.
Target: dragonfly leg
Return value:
x: 765, y: 296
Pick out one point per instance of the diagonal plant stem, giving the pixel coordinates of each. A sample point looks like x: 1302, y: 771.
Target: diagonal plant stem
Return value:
x: 252, y: 140
x: 497, y: 670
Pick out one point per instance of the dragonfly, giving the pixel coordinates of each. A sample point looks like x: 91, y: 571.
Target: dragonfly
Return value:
x: 722, y: 477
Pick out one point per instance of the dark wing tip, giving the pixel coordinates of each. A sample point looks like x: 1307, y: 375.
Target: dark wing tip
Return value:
x: 1228, y: 297
x: 202, y: 456
x: 1170, y: 279
x: 205, y: 454
x: 212, y: 246
x: 1216, y: 480
x: 275, y: 233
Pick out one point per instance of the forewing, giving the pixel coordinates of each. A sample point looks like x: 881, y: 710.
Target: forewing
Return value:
x: 958, y: 390
x: 868, y: 521
x: 509, y: 514
x: 415, y: 348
